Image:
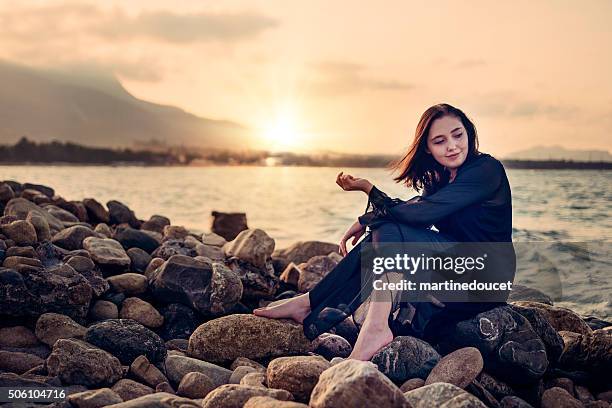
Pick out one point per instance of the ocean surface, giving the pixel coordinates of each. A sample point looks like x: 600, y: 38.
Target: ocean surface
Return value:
x: 566, y: 211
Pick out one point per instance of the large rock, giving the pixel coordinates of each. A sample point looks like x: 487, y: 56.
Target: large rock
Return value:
x: 560, y: 318
x: 34, y: 292
x: 224, y: 339
x: 442, y: 395
x: 179, y: 321
x: 509, y: 346
x: 589, y: 352
x: 179, y: 366
x: 140, y: 259
x: 103, y: 309
x: 257, y: 282
x: 228, y: 225
x: 129, y: 283
x: 40, y: 224
x: 61, y: 214
x: 126, y: 339
x: 72, y: 238
x: 234, y: 395
x: 94, y: 398
x: 353, y: 383
x: 556, y: 397
x: 331, y: 345
x: 298, y: 375
x: 210, y: 288
x: 52, y: 326
x: 459, y: 368
x: 552, y: 340
x: 96, y: 211
x: 120, y: 213
x: 20, y: 207
x: 253, y: 246
x: 77, y: 362
x: 195, y: 385
x: 133, y: 238
x: 406, y: 357
x: 141, y: 311
x: 107, y: 252
x: 313, y: 271
x: 20, y: 231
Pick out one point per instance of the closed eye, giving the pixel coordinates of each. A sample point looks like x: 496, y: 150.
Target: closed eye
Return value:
x: 458, y: 135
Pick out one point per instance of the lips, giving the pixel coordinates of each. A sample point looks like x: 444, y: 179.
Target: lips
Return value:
x: 454, y: 156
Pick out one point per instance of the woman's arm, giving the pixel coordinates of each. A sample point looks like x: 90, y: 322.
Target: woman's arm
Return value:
x: 474, y: 184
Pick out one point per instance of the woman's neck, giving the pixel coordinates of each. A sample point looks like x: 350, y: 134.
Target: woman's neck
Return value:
x: 453, y: 174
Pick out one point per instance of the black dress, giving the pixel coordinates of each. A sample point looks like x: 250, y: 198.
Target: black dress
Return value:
x: 475, y: 207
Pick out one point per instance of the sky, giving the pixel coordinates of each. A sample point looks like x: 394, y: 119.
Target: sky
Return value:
x: 346, y: 76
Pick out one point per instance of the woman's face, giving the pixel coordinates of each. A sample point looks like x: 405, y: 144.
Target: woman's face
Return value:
x: 447, y: 141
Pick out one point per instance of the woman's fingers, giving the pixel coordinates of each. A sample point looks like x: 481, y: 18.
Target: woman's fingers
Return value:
x: 343, y: 246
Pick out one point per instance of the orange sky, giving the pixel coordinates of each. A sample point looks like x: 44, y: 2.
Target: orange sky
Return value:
x: 345, y: 75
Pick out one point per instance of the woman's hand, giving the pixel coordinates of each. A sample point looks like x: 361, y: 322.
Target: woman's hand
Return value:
x: 350, y: 183
x: 356, y: 231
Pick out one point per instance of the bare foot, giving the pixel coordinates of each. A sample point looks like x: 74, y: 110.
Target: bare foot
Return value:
x: 296, y: 308
x: 370, y: 340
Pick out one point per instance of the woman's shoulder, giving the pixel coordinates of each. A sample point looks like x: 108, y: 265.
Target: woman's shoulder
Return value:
x: 486, y: 161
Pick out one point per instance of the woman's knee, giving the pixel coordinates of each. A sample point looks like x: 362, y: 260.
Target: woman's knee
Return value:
x: 395, y: 232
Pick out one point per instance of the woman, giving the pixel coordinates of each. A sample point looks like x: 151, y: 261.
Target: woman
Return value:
x: 465, y: 195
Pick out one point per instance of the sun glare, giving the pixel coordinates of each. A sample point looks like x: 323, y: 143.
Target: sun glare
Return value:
x: 283, y: 132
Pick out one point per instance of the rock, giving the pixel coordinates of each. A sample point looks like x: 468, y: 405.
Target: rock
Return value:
x: 20, y: 207
x: 243, y: 361
x: 153, y: 266
x: 242, y: 335
x: 268, y: 402
x: 605, y: 396
x: 353, y: 383
x: 94, y: 398
x: 178, y: 366
x: 96, y: 211
x: 65, y: 216
x: 406, y: 357
x: 48, y: 191
x: 140, y: 259
x: 156, y: 223
x: 497, y: 388
x: 459, y: 368
x: 195, y: 385
x: 141, y: 311
x: 18, y: 363
x: 559, y: 318
x: 77, y: 362
x: 103, y: 309
x: 596, y: 323
x: 17, y: 336
x: 40, y: 224
x: 75, y: 207
x: 72, y: 237
x: 107, y: 252
x: 129, y: 389
x: 253, y: 246
x: 120, y: 213
x: 129, y: 283
x: 175, y: 232
x: 164, y: 387
x: 126, y: 339
x: 313, y: 271
x: 26, y: 252
x: 412, y: 384
x: 290, y: 275
x: 514, y: 402
x: 559, y: 398
x: 81, y: 264
x: 146, y: 372
x: 14, y: 262
x: 210, y: 251
x: 298, y: 375
x: 591, y: 352
x: 228, y: 225
x: 441, y: 395
x: 508, y: 344
x: 158, y: 400
x: 133, y: 238
x: 211, y: 289
x: 179, y: 321
x: 240, y: 372
x: 302, y: 251
x: 20, y: 231
x: 233, y: 395
x: 6, y: 192
x: 583, y: 394
x: 104, y: 230
x: 52, y: 326
x: 173, y: 247
x: 213, y: 239
x: 35, y: 292
x: 254, y: 379
x: 331, y: 345
x: 257, y: 283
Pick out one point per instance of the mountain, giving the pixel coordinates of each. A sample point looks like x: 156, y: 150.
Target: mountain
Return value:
x: 89, y: 106
x: 560, y: 153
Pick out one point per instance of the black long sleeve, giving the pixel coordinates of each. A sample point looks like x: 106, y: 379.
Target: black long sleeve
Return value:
x: 474, y: 183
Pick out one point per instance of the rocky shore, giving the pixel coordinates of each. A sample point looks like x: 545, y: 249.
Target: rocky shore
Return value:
x: 125, y: 312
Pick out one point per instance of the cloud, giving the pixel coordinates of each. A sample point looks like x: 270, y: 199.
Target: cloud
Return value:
x: 509, y: 104
x: 186, y: 28
x: 334, y: 78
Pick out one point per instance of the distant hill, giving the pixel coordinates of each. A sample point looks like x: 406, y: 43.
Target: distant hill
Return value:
x: 560, y: 153
x: 91, y: 107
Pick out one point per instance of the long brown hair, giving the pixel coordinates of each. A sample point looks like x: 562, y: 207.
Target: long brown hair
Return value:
x: 418, y: 169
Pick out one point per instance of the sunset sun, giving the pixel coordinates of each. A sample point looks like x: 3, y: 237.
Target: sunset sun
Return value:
x: 283, y: 131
